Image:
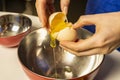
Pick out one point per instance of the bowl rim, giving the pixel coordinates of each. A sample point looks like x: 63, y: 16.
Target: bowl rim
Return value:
x: 17, y: 15
x: 32, y: 72
x: 89, y: 73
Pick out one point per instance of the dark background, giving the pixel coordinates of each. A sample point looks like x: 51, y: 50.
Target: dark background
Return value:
x: 77, y: 7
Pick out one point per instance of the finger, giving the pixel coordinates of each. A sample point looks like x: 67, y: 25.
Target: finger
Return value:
x: 85, y: 20
x: 84, y: 53
x: 81, y: 45
x: 41, y: 7
x: 64, y: 5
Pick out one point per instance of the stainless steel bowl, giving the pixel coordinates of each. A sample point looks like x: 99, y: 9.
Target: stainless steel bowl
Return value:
x: 13, y: 28
x: 37, y: 59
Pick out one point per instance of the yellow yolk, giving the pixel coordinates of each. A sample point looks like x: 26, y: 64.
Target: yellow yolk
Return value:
x: 53, y: 33
x: 58, y: 22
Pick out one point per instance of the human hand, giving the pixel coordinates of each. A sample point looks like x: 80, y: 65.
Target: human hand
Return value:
x: 64, y: 6
x: 46, y: 7
x: 105, y: 39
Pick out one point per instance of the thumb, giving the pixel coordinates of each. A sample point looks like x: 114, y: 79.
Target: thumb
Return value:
x: 85, y: 20
x: 64, y: 5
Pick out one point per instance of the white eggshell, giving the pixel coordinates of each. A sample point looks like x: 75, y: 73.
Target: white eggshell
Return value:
x: 67, y: 34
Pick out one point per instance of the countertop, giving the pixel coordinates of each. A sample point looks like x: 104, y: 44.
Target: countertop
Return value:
x: 10, y: 68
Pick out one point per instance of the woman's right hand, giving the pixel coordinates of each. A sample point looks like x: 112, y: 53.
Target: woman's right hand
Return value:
x: 46, y: 7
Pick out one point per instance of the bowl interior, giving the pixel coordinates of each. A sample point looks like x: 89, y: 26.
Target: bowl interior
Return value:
x: 11, y: 25
x: 36, y: 54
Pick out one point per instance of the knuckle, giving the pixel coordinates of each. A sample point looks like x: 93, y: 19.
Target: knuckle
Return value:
x: 100, y: 43
x: 101, y: 51
x: 76, y: 49
x: 104, y: 50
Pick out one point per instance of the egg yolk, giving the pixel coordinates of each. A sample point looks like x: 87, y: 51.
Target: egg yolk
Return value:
x: 56, y: 29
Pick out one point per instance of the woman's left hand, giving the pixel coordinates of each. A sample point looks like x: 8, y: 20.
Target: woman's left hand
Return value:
x: 105, y: 39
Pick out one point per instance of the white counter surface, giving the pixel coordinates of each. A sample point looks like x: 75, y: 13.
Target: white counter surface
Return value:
x: 10, y: 68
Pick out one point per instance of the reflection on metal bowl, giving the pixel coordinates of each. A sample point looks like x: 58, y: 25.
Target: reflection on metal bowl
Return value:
x: 13, y: 28
x: 37, y: 59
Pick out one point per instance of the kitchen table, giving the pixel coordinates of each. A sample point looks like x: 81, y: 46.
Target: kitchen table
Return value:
x: 10, y: 68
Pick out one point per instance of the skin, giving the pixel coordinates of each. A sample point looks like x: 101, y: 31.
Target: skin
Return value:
x: 45, y: 8
x: 104, y: 41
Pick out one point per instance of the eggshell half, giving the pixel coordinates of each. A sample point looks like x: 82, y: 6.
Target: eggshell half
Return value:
x: 67, y: 34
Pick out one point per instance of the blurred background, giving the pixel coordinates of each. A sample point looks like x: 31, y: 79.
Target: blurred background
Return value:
x: 19, y: 6
x: 77, y: 7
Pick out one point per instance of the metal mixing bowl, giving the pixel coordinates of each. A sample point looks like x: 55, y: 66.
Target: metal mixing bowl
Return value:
x: 13, y: 28
x: 39, y: 63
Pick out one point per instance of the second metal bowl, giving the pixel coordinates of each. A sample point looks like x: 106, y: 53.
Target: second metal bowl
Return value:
x: 13, y: 28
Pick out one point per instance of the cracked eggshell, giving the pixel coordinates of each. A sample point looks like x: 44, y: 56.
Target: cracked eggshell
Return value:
x: 67, y: 34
